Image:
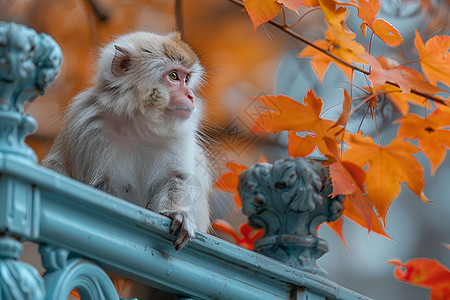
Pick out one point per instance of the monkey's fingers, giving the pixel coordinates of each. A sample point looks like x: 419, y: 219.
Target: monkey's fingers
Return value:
x: 177, y: 221
x: 187, y: 231
x: 180, y: 221
x: 181, y: 240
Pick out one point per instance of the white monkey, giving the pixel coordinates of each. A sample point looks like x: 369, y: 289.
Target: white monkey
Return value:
x: 133, y: 134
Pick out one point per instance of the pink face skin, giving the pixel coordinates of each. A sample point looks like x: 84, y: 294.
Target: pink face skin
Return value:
x: 181, y: 96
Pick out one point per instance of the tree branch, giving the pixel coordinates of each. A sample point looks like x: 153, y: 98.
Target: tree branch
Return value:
x: 179, y: 16
x: 100, y: 11
x: 326, y: 52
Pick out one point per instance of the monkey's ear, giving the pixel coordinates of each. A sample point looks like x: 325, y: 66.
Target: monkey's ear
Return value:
x: 175, y: 35
x: 121, y: 61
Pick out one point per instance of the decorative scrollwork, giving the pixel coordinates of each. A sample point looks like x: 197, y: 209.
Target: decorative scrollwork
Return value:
x: 91, y: 282
x: 29, y: 62
x: 53, y: 258
x: 290, y: 199
x: 18, y: 280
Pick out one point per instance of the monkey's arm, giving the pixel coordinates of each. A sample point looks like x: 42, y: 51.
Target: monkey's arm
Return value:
x: 177, y: 204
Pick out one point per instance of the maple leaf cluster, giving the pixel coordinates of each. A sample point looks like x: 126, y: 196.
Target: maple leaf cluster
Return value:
x: 369, y: 173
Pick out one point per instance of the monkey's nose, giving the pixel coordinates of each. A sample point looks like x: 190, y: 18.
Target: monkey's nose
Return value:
x: 189, y: 94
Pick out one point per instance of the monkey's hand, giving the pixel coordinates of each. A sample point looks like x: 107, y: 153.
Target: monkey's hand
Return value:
x: 183, y: 221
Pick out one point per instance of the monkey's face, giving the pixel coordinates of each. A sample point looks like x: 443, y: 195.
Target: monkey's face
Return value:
x: 181, y: 102
x: 162, y: 73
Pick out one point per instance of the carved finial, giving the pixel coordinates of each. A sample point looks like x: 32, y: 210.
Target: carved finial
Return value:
x: 18, y: 280
x: 290, y: 199
x: 29, y: 62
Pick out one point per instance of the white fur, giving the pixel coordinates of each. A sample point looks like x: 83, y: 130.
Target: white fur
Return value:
x: 120, y: 137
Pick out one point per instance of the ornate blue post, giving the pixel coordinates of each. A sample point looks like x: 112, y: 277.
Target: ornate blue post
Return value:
x: 290, y: 199
x: 29, y: 62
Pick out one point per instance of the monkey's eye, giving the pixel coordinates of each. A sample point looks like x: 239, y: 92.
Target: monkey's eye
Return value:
x: 173, y: 75
x: 186, y: 79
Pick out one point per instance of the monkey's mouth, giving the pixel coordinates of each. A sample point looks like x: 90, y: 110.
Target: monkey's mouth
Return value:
x: 182, y: 112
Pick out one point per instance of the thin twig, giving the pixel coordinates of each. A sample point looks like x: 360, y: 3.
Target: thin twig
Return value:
x: 363, y: 118
x: 414, y: 91
x: 330, y: 108
x: 369, y: 98
x: 100, y: 11
x: 370, y: 43
x: 408, y: 63
x: 326, y: 52
x: 179, y: 16
x: 302, y: 16
x: 374, y: 118
x: 426, y: 112
x: 284, y: 17
x: 361, y: 104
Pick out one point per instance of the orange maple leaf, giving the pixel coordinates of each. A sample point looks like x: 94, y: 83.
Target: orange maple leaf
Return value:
x: 348, y: 179
x: 345, y: 114
x: 245, y: 238
x: 293, y: 5
x: 335, y: 15
x: 229, y: 181
x: 310, y: 3
x: 388, y: 167
x: 320, y: 62
x: 343, y: 39
x: 434, y: 57
x: 424, y: 272
x: 402, y: 100
x: 285, y: 113
x: 434, y: 140
x: 336, y: 226
x: 351, y: 213
x: 340, y: 42
x: 261, y: 11
x: 288, y: 114
x: 367, y: 12
x: 406, y: 78
x: 303, y: 146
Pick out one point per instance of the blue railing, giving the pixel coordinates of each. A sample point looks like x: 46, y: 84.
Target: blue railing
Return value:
x: 82, y: 231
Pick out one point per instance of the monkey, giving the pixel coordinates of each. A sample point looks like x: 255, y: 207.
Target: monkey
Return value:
x: 135, y: 135
x: 134, y: 132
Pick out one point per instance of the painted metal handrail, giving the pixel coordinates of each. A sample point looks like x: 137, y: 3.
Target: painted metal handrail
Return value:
x: 83, y: 231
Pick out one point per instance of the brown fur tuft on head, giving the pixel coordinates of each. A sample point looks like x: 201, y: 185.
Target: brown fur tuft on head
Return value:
x: 177, y: 50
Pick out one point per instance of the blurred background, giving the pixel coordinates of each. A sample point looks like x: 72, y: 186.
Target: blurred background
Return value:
x: 241, y: 65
